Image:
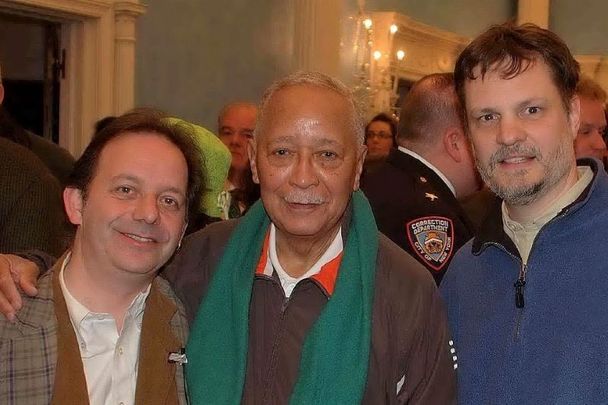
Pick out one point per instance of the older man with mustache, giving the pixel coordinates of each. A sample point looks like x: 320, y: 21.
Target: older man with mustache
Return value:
x: 527, y: 296
x: 302, y: 300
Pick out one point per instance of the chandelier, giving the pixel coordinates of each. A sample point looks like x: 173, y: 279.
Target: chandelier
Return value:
x: 375, y: 76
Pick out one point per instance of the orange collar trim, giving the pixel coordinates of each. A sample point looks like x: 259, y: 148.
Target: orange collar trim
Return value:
x: 326, y: 277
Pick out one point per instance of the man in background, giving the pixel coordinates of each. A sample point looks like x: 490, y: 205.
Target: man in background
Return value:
x: 415, y: 194
x: 236, y: 123
x: 589, y: 141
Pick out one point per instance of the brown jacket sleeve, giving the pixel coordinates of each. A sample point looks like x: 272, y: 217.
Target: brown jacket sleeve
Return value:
x: 411, y: 359
x: 431, y: 377
x: 192, y: 267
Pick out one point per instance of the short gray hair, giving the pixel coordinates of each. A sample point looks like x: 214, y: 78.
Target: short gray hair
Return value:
x: 315, y: 79
x: 234, y: 104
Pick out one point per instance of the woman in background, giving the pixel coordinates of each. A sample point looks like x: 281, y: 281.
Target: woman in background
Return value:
x: 380, y: 139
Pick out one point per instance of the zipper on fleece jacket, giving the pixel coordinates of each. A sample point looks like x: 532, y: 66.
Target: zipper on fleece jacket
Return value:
x: 519, y: 286
x: 520, y: 283
x: 519, y: 297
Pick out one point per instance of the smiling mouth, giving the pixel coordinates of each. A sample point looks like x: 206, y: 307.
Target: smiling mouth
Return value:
x: 303, y: 206
x: 138, y: 238
x: 516, y: 159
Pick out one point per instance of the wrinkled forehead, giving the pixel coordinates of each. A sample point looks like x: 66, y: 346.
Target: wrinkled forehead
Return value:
x: 503, y: 78
x: 300, y: 109
x: 141, y: 151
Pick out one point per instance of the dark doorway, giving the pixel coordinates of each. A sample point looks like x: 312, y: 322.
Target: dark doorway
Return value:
x: 31, y: 68
x: 403, y: 87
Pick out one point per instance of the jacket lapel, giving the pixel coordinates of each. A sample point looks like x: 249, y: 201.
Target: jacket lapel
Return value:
x: 156, y: 376
x: 70, y: 382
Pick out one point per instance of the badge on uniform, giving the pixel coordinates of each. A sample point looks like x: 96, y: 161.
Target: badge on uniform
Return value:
x: 432, y: 238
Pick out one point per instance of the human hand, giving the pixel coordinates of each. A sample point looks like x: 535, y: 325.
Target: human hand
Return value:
x: 16, y: 273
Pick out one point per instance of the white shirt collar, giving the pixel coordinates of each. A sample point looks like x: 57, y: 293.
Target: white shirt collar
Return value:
x: 79, y: 312
x: 110, y: 361
x: 430, y: 166
x: 287, y: 282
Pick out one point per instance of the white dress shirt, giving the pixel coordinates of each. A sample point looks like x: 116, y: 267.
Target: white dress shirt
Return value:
x: 110, y: 359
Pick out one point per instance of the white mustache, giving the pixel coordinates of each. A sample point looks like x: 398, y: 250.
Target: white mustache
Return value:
x: 297, y: 198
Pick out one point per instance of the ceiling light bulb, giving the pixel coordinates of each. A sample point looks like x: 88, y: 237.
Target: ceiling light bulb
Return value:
x: 394, y: 28
x: 400, y: 54
x: 367, y: 23
x: 377, y: 55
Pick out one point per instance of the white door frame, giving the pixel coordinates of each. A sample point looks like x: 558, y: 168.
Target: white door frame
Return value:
x: 99, y: 39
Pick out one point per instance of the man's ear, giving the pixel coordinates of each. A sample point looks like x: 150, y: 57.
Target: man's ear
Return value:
x: 252, y: 153
x: 574, y: 116
x: 73, y: 203
x: 454, y: 143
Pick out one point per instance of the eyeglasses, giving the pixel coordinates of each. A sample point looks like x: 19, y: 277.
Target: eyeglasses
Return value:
x: 381, y: 135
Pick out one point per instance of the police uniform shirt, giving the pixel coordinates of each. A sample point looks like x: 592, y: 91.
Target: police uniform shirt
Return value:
x: 417, y: 210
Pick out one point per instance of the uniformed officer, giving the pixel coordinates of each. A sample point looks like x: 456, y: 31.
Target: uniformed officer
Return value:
x: 414, y: 195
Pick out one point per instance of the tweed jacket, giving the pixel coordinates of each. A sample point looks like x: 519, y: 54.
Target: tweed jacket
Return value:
x: 40, y: 359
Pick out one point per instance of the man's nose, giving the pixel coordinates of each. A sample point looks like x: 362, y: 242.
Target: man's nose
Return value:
x: 598, y: 140
x: 510, y: 131
x: 304, y: 174
x: 146, y: 209
x: 237, y: 140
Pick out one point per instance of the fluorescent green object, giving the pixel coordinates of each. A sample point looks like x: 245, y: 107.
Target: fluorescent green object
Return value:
x: 216, y: 163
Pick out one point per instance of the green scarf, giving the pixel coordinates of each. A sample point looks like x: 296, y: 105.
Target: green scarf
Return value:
x: 335, y: 355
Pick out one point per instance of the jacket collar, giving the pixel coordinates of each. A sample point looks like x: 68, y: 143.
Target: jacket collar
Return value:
x: 492, y: 229
x: 156, y: 383
x: 70, y: 382
x: 327, y: 277
x: 410, y: 164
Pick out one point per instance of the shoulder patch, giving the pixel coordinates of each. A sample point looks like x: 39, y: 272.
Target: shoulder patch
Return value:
x: 432, y: 238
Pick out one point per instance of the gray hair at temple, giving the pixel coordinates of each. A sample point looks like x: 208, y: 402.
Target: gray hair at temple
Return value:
x: 315, y: 79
